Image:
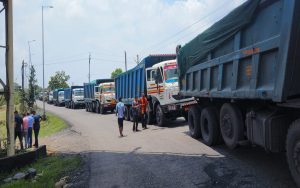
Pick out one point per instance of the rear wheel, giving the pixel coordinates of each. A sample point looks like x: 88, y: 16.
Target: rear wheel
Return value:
x: 209, y: 123
x: 160, y: 118
x: 194, y: 122
x: 231, y: 125
x: 293, y: 151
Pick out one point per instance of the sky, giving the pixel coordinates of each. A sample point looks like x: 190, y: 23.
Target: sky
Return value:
x: 105, y: 29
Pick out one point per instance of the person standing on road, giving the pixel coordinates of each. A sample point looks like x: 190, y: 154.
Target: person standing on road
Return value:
x: 30, y: 126
x: 135, y: 114
x: 144, y: 103
x: 25, y: 129
x: 36, y: 128
x: 18, y: 128
x: 120, y: 108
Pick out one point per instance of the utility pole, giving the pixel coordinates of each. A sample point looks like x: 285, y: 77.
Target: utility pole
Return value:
x: 125, y: 61
x: 9, y: 77
x: 23, y: 72
x: 89, y: 67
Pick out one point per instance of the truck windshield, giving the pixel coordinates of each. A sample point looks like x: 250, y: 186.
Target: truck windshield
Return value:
x: 78, y: 93
x: 171, y: 75
x: 108, y: 89
x: 61, y: 93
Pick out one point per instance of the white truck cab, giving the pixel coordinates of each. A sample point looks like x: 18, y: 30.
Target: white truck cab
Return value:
x: 162, y: 86
x: 77, y: 95
x: 61, y: 97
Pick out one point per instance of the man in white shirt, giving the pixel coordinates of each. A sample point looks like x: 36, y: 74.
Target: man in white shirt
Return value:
x: 120, y: 108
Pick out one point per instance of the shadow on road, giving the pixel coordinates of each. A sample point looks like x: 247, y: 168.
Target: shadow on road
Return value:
x: 138, y: 169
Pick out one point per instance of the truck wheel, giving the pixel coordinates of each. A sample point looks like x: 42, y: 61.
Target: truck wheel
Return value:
x: 194, y: 122
x: 150, y: 116
x: 231, y: 125
x: 293, y: 150
x: 126, y: 115
x: 130, y: 114
x: 102, y: 110
x: 209, y: 123
x: 160, y: 118
x: 97, y: 107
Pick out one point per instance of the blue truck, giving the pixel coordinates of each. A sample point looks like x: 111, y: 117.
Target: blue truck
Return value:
x: 74, y: 97
x: 99, y: 96
x: 155, y: 76
x: 244, y: 73
x: 58, y: 97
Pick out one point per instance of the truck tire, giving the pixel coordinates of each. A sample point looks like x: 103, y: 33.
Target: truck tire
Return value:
x: 130, y: 114
x: 102, y: 110
x: 159, y: 116
x: 97, y: 107
x: 194, y: 121
x: 126, y: 113
x: 209, y: 123
x: 150, y: 116
x: 293, y: 150
x: 231, y: 125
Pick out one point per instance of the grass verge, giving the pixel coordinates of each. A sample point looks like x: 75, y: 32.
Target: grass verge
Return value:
x: 52, y: 125
x: 52, y: 168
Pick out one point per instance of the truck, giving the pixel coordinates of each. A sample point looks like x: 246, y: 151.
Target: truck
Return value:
x: 74, y: 97
x: 50, y: 97
x: 99, y: 96
x: 155, y: 76
x: 244, y: 73
x: 59, y: 97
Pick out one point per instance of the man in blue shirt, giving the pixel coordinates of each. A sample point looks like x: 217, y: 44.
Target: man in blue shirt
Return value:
x: 120, y: 108
x: 30, y: 126
x: 36, y: 128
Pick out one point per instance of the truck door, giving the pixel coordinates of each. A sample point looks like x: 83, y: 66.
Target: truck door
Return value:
x: 97, y: 93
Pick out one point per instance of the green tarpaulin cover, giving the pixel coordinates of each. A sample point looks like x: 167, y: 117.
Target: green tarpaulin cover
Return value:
x: 199, y: 48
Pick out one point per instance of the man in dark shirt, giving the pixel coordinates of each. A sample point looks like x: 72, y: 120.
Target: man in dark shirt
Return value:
x: 18, y: 128
x: 36, y: 128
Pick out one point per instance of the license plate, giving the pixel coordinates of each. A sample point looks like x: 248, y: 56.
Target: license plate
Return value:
x: 172, y: 107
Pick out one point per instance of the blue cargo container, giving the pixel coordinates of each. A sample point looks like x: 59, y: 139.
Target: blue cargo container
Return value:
x: 89, y: 93
x: 248, y: 79
x: 133, y: 82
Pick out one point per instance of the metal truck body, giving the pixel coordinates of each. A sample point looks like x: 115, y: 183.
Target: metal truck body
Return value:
x: 58, y: 97
x: 95, y: 100
x: 74, y: 97
x: 157, y: 77
x: 247, y: 87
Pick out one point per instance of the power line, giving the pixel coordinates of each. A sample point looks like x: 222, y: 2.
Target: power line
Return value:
x: 187, y: 27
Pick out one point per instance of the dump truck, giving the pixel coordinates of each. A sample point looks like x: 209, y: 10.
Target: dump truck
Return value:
x: 244, y: 73
x: 155, y: 76
x: 99, y: 96
x: 59, y: 97
x: 74, y: 97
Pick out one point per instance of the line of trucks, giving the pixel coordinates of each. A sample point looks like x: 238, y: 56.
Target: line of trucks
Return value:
x: 237, y: 82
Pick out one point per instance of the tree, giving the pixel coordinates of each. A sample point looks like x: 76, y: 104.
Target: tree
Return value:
x: 31, y: 89
x: 116, y: 72
x: 59, y: 80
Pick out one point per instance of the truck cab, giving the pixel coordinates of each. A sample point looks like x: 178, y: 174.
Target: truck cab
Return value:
x: 61, y: 98
x: 105, y: 94
x: 162, y: 81
x: 77, y: 97
x: 50, y: 98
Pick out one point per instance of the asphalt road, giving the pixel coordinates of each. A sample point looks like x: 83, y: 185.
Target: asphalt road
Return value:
x: 163, y: 157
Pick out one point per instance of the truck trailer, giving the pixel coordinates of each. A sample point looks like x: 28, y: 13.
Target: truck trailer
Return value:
x: 244, y: 73
x: 155, y: 76
x: 74, y: 97
x: 58, y: 97
x: 99, y: 96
